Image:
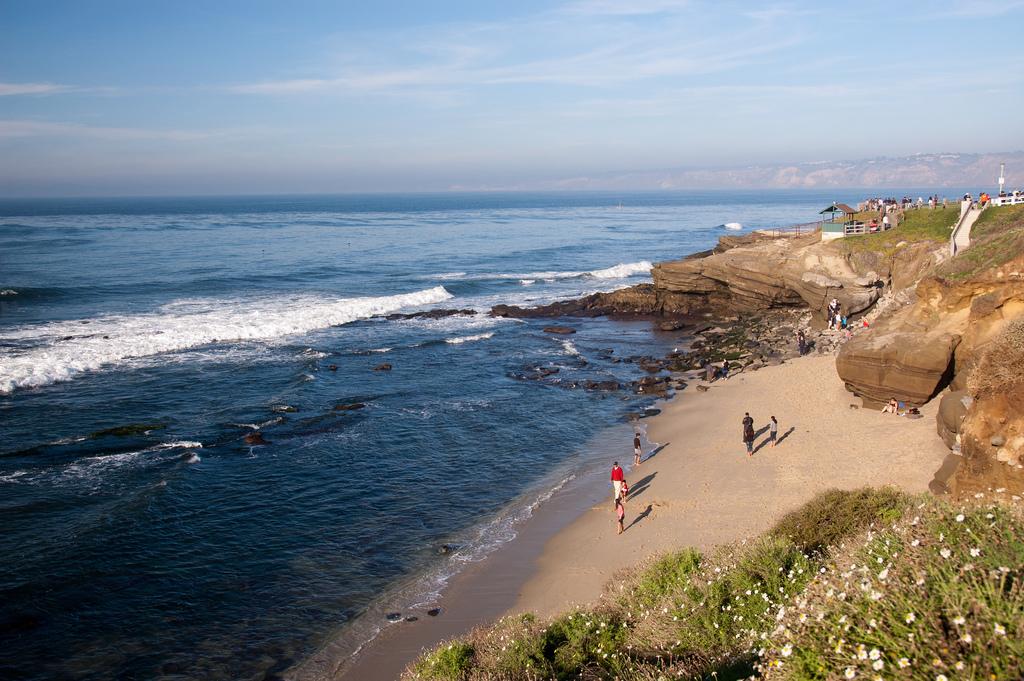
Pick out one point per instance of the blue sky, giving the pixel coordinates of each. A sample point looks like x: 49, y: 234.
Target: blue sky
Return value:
x: 266, y: 97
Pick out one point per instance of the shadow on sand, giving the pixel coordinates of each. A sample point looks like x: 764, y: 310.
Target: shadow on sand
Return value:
x: 646, y: 512
x: 638, y: 489
x: 654, y: 452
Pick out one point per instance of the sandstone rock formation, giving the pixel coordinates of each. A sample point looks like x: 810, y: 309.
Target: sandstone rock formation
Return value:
x: 925, y: 346
x: 908, y: 366
x: 773, y: 272
x: 949, y: 420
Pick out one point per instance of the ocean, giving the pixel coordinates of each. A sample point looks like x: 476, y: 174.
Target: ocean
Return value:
x: 141, y: 340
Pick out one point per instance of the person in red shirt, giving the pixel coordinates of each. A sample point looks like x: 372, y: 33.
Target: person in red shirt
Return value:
x: 617, y: 478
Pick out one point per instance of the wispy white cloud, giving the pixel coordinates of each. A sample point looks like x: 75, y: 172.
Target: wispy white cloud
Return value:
x: 10, y: 89
x: 587, y: 51
x: 983, y: 8
x: 624, y: 7
x: 14, y: 128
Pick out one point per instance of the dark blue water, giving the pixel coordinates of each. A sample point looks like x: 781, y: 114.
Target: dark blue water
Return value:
x: 173, y: 547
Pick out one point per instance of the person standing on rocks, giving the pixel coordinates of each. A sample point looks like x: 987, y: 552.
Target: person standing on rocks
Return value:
x: 617, y: 478
x: 748, y: 433
x: 637, y: 450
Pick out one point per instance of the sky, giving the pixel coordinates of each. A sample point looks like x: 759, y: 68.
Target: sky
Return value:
x: 146, y: 98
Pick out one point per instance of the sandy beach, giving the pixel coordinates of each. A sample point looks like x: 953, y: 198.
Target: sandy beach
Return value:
x: 698, y: 488
x: 701, y: 489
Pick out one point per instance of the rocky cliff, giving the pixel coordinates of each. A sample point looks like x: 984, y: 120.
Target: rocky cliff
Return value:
x: 962, y: 329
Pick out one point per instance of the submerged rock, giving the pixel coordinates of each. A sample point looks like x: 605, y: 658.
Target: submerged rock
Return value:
x: 127, y: 430
x: 382, y: 367
x: 349, y: 407
x: 393, y: 616
x: 438, y: 313
x: 255, y: 438
x: 562, y: 330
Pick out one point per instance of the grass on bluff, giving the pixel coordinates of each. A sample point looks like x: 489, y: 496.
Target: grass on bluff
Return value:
x: 919, y: 224
x: 997, y: 237
x: 908, y: 588
x: 681, y: 615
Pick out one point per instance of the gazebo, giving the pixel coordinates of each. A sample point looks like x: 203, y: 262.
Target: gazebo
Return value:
x: 839, y: 215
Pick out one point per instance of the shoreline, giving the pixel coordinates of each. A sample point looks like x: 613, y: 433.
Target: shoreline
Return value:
x: 478, y: 591
x: 698, y: 489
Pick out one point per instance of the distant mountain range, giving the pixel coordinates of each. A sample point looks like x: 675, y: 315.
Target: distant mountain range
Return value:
x: 974, y: 171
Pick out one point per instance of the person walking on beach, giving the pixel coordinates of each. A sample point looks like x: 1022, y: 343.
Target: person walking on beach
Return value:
x: 773, y: 432
x: 617, y: 478
x: 620, y: 514
x: 748, y: 433
x: 637, y: 450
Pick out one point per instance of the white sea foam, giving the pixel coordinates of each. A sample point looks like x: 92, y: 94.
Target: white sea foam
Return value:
x: 571, y: 349
x: 468, y: 339
x: 619, y: 271
x: 8, y: 292
x: 179, y: 444
x: 622, y: 271
x: 527, y: 282
x: 381, y: 349
x: 113, y: 340
x: 733, y: 226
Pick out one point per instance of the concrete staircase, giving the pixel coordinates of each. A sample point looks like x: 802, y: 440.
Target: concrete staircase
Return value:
x: 960, y: 239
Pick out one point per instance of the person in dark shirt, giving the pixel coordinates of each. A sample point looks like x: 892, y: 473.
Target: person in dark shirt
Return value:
x: 637, y: 451
x: 748, y: 433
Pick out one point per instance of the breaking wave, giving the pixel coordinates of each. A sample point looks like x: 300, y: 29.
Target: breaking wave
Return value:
x: 61, y: 351
x: 620, y: 271
x: 468, y: 339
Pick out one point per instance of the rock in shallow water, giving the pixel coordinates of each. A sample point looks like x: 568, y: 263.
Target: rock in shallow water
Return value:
x: 255, y: 438
x: 382, y: 367
x: 562, y: 330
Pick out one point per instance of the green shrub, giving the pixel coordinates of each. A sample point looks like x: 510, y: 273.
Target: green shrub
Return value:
x: 940, y: 594
x: 858, y: 580
x: 450, y: 662
x: 648, y: 587
x: 836, y: 514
